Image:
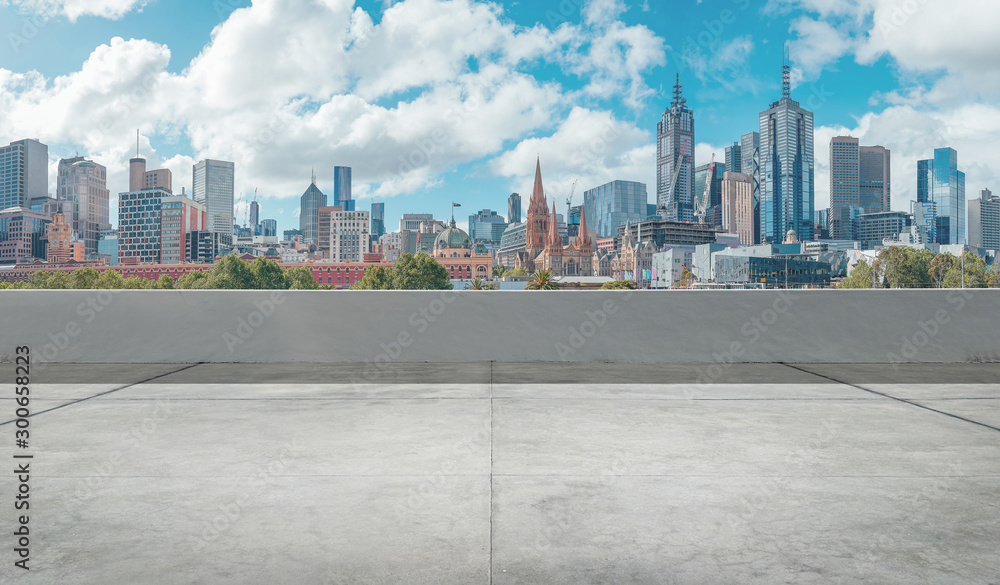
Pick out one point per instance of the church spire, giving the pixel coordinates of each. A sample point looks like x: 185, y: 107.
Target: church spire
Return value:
x: 538, y: 192
x: 583, y: 237
x: 555, y: 240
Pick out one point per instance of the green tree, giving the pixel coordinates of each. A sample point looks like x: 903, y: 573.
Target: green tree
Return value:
x: 110, y: 280
x: 375, y: 278
x: 165, y: 282
x: 266, y: 274
x: 479, y: 284
x: 300, y: 278
x: 861, y: 277
x: 541, y: 280
x: 519, y: 271
x: 498, y: 271
x: 230, y: 272
x: 939, y: 268
x: 195, y: 279
x: 39, y: 279
x: 136, y: 283
x: 619, y: 285
x: 84, y: 278
x: 902, y: 267
x: 420, y: 272
x: 993, y: 276
x: 975, y: 272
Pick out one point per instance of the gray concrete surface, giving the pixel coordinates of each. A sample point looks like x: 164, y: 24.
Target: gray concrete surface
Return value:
x: 474, y: 475
x: 711, y: 327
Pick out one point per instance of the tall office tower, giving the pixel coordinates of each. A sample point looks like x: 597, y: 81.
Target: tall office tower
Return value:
x: 675, y: 160
x: 613, y: 205
x: 822, y: 224
x: 787, y: 168
x: 845, y: 186
x: 486, y: 226
x: 342, y: 188
x: 739, y: 214
x: 874, y: 177
x: 83, y: 189
x: 378, y: 221
x: 750, y: 151
x: 412, y: 221
x: 984, y: 221
x: 343, y: 234
x: 940, y: 182
x: 514, y: 208
x: 734, y: 158
x: 309, y: 206
x: 24, y: 173
x: 269, y: 228
x: 23, y: 234
x: 179, y: 216
x: 139, y: 215
x: 254, y: 213
x: 213, y: 188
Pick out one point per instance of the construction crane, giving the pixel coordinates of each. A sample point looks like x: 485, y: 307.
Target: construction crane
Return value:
x: 569, y: 200
x: 706, y: 197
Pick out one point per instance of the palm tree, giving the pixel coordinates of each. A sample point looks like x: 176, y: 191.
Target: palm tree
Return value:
x: 478, y: 284
x: 541, y: 280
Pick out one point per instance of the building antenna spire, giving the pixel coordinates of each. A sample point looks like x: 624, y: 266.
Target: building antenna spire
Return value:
x: 136, y: 143
x: 786, y: 73
x: 678, y: 93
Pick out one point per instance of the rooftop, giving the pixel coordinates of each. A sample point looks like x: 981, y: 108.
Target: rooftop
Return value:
x: 512, y: 473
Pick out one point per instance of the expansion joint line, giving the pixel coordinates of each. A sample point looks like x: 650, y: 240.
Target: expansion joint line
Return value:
x: 891, y: 397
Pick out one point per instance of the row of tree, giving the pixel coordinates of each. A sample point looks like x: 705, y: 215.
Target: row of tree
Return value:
x: 230, y: 272
x: 901, y: 267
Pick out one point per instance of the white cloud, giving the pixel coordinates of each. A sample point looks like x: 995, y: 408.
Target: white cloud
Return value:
x: 74, y: 9
x: 285, y: 85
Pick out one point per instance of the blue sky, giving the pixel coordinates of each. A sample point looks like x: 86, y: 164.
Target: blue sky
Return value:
x: 433, y: 101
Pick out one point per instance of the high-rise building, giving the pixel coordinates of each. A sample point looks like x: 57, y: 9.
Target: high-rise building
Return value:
x: 413, y: 221
x: 378, y: 221
x: 514, y: 208
x: 486, y: 226
x: 269, y: 228
x: 787, y: 167
x: 708, y: 193
x: 874, y: 177
x: 213, y: 188
x: 739, y: 214
x: 158, y: 179
x: 884, y: 225
x: 139, y: 215
x: 343, y: 235
x: 924, y: 227
x: 23, y: 235
x: 24, y: 173
x: 254, y: 213
x: 342, y: 188
x: 940, y: 182
x: 675, y: 160
x: 309, y: 206
x: 178, y: 217
x: 614, y: 204
x: 822, y: 224
x: 984, y: 221
x: 82, y: 187
x: 734, y: 158
x: 845, y: 186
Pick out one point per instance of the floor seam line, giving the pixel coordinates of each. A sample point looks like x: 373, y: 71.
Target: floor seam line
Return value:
x: 105, y: 393
x: 891, y: 397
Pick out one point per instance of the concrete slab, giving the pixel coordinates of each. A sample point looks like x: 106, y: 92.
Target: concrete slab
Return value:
x: 329, y: 479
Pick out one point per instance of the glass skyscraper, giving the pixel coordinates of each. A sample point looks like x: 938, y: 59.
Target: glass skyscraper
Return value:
x: 874, y: 176
x: 734, y: 158
x: 310, y: 203
x: 845, y: 186
x: 213, y: 188
x: 940, y: 182
x: 24, y: 173
x: 83, y: 187
x: 674, y: 162
x: 787, y: 168
x: 514, y: 208
x: 378, y: 221
x: 342, y: 188
x: 613, y: 205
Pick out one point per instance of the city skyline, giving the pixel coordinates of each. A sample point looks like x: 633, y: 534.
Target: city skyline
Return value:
x: 873, y: 89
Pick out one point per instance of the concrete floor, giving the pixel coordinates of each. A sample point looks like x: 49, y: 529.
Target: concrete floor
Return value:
x: 509, y: 474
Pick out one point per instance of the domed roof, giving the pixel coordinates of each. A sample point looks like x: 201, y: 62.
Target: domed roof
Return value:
x: 271, y: 252
x: 452, y: 237
x: 791, y: 232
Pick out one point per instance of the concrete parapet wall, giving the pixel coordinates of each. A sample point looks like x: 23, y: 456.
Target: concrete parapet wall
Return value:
x: 824, y: 326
